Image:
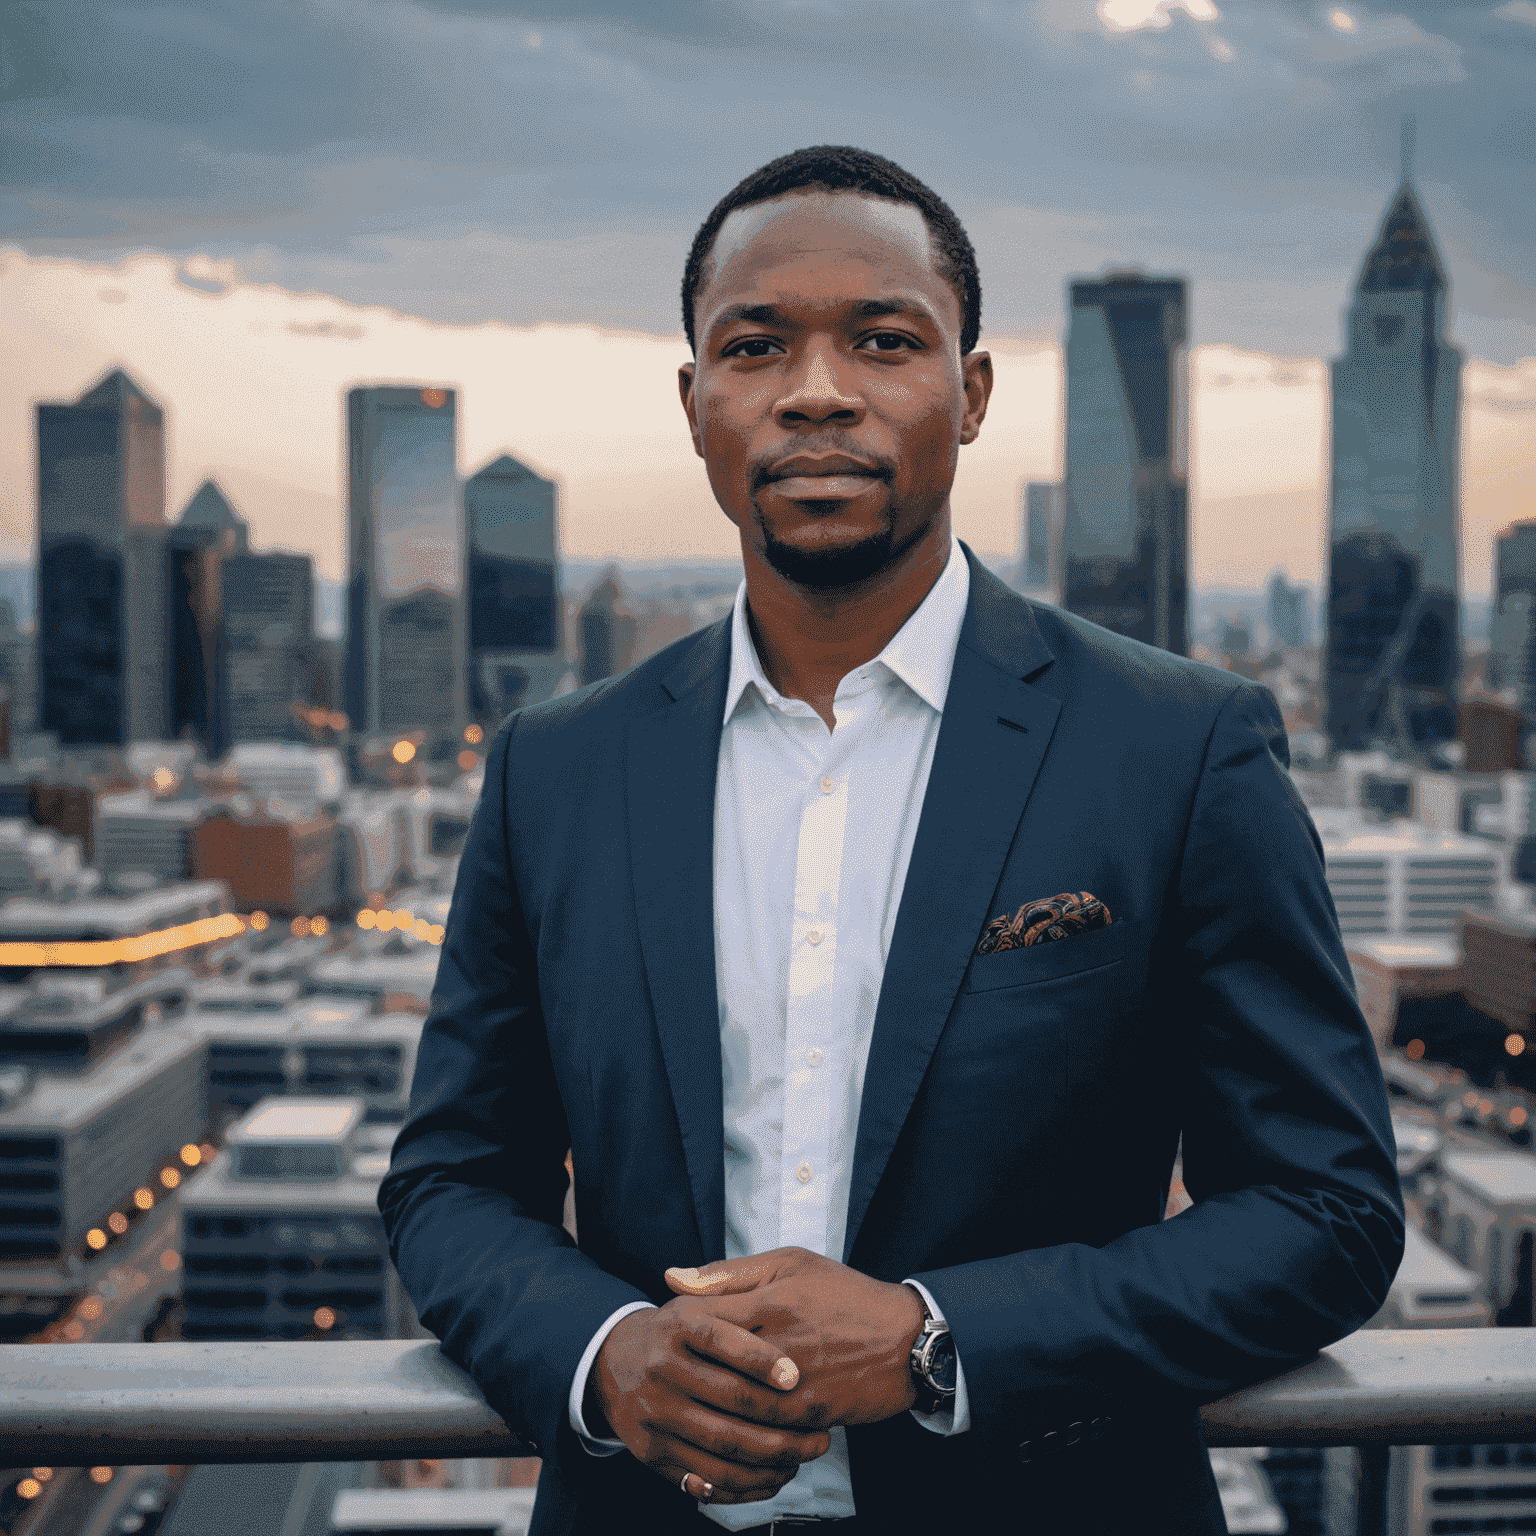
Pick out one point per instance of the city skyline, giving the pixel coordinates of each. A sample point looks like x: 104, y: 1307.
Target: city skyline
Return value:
x: 631, y: 488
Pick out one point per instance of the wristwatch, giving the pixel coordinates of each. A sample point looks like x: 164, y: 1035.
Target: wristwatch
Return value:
x: 935, y: 1368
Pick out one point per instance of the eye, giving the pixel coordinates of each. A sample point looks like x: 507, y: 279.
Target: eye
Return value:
x: 888, y: 341
x: 752, y: 346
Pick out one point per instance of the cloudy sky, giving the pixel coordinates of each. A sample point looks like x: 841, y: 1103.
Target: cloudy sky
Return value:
x: 253, y: 203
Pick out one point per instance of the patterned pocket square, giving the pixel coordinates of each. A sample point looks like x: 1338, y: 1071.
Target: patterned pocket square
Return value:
x: 1041, y: 922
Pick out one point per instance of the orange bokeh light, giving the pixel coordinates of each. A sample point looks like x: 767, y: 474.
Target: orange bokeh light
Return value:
x: 1514, y: 1044
x: 324, y: 1318
x: 365, y: 918
x: 1414, y: 1050
x: 96, y: 1238
x: 474, y: 735
x: 319, y: 926
x: 143, y: 1199
x: 468, y: 759
x: 118, y: 1222
x: 90, y: 1308
x: 435, y: 399
x: 191, y: 1155
x: 29, y: 1488
x: 170, y: 1261
x: 101, y: 1474
x: 299, y: 927
x: 259, y: 921
x: 170, y: 1177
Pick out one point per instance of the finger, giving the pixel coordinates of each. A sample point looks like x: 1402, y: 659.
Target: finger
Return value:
x: 725, y: 1277
x: 728, y: 1392
x: 745, y: 1444
x: 728, y: 1484
x: 727, y: 1344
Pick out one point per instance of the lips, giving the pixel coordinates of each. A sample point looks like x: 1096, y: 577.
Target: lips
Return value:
x: 836, y: 477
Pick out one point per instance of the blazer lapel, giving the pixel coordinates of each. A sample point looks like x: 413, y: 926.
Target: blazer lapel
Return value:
x: 992, y: 741
x: 672, y: 762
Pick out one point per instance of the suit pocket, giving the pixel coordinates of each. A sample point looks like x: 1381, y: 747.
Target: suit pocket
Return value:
x: 1048, y: 962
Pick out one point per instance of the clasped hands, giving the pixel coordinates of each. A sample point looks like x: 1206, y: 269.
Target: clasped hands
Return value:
x: 740, y: 1378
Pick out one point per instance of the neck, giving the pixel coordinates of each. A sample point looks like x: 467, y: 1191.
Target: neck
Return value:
x: 808, y: 641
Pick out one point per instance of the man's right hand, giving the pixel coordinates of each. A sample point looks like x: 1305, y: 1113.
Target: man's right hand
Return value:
x: 689, y: 1392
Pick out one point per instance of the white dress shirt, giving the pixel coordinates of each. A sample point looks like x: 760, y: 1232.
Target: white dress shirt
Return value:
x: 813, y: 834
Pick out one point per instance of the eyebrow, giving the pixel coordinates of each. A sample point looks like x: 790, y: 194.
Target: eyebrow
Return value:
x: 771, y: 314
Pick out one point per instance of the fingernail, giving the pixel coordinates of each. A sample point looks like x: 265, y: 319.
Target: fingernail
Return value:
x: 682, y: 1274
x: 785, y: 1372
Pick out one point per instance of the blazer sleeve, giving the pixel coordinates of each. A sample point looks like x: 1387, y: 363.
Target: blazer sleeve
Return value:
x: 1297, y: 1226
x: 473, y: 1199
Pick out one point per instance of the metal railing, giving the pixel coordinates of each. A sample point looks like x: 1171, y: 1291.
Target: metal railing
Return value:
x: 121, y: 1404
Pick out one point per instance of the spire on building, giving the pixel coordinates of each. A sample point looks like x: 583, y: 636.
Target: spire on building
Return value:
x: 113, y: 389
x: 209, y: 511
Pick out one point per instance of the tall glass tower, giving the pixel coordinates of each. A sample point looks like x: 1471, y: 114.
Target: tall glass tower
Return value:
x: 1126, y: 534
x: 1393, y: 648
x: 101, y: 630
x: 405, y: 561
x: 514, y: 588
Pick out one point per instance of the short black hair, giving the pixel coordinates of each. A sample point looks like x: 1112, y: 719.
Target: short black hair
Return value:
x: 842, y: 168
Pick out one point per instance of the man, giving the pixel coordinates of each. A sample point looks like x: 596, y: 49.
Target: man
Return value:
x: 871, y: 951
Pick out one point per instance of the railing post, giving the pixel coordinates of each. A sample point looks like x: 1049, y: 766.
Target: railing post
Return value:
x: 1375, y: 1464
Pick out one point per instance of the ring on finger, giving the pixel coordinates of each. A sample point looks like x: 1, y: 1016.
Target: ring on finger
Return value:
x: 705, y: 1496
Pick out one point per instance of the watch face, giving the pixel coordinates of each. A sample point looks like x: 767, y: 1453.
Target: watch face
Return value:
x: 941, y: 1364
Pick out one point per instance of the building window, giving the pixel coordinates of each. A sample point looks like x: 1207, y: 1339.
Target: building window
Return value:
x: 1387, y: 329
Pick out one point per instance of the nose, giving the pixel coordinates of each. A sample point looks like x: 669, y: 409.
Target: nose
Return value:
x: 816, y: 395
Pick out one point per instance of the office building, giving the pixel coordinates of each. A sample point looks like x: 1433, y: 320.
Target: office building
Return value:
x: 101, y: 630
x: 269, y: 616
x: 1403, y: 879
x: 513, y: 588
x: 607, y: 630
x: 1511, y: 665
x: 207, y: 533
x: 1126, y: 529
x: 405, y: 562
x: 1040, y: 565
x: 281, y: 1236
x: 1290, y: 616
x: 1393, y: 645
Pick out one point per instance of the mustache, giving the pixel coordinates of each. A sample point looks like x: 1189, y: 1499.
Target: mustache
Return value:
x: 766, y: 470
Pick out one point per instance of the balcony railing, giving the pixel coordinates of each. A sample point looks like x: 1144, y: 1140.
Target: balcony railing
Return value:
x: 124, y: 1404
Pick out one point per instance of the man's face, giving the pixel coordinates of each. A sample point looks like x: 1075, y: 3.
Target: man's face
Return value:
x: 829, y: 398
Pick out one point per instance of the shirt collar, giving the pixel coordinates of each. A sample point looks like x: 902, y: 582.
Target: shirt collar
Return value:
x: 921, y: 653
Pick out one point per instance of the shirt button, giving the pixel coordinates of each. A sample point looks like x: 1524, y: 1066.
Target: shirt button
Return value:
x: 803, y: 1173
x: 814, y: 936
x: 828, y: 784
x: 813, y: 1056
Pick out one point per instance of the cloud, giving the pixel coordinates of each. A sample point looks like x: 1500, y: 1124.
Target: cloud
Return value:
x: 1518, y: 10
x: 532, y: 162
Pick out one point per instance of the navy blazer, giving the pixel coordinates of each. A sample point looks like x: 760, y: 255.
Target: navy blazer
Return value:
x: 1021, y: 1110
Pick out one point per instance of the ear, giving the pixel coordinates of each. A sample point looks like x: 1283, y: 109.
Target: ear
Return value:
x: 685, y: 377
x: 976, y: 368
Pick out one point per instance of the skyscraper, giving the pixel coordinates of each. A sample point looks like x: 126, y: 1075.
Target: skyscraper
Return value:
x: 100, y: 589
x: 1512, y: 632
x: 1290, y: 619
x: 101, y: 632
x: 1042, y: 535
x: 269, y: 615
x: 405, y: 559
x: 1393, y: 648
x: 1126, y: 531
x: 205, y: 535
x: 513, y: 588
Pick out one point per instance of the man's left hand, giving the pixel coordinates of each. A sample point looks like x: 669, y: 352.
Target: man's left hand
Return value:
x: 851, y: 1336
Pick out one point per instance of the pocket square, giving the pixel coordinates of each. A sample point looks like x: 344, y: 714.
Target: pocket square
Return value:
x: 1042, y: 922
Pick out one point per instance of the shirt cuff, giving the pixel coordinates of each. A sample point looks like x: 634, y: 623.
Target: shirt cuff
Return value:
x: 594, y: 1446
x: 955, y: 1419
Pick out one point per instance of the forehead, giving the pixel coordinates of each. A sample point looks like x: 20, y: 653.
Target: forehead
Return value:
x: 828, y: 245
